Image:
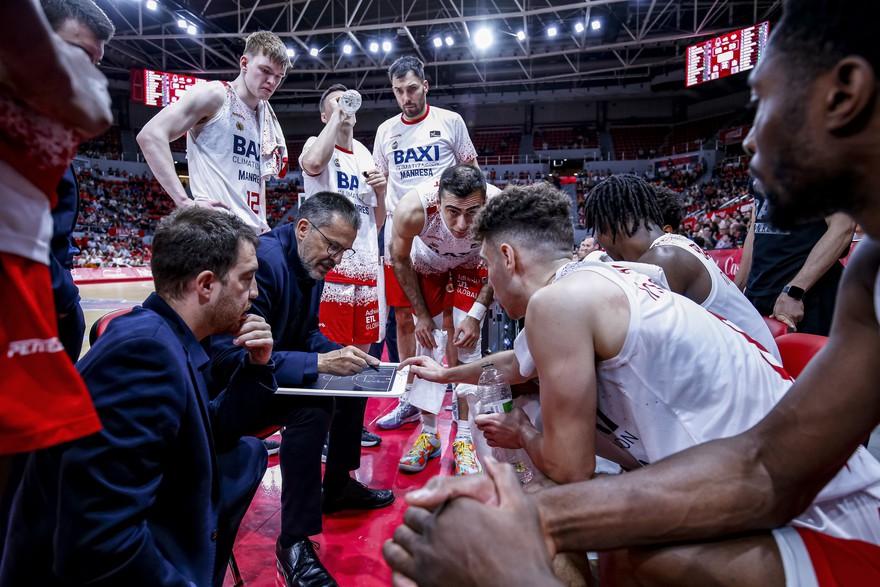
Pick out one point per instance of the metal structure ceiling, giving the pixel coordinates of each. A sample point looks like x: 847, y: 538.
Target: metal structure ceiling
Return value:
x: 636, y: 42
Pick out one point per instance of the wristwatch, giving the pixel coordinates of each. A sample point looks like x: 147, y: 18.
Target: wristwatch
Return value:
x: 794, y: 292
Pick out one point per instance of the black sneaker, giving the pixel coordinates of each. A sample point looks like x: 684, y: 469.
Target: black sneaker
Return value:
x: 370, y: 439
x: 272, y: 446
x: 357, y: 496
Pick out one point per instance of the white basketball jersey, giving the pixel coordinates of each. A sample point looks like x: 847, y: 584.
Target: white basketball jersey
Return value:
x: 436, y: 249
x: 685, y: 376
x: 725, y: 299
x: 409, y: 152
x: 224, y: 161
x: 344, y: 175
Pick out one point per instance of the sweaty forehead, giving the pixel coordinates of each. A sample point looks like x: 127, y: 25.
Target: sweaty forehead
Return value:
x: 406, y: 81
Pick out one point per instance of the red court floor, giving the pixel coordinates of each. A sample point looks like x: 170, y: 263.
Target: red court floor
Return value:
x: 351, y: 544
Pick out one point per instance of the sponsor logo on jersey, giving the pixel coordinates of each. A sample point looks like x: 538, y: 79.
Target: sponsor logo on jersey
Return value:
x: 239, y: 126
x: 243, y: 146
x: 336, y: 162
x: 427, y: 154
x: 394, y: 145
x: 345, y: 181
x: 434, y: 134
x: 31, y: 346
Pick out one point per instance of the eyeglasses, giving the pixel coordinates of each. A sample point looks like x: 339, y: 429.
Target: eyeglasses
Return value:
x: 334, y: 248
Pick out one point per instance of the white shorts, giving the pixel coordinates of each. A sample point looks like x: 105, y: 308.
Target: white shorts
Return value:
x: 852, y: 517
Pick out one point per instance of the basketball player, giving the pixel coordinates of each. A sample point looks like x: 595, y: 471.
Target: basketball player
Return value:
x: 651, y: 374
x: 432, y: 246
x: 628, y: 220
x: 49, y: 103
x: 233, y: 140
x: 410, y: 148
x: 335, y: 162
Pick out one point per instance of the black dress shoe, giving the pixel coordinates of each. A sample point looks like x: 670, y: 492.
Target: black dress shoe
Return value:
x: 357, y: 496
x: 301, y: 567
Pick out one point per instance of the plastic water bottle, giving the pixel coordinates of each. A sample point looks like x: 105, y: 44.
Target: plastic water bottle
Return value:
x: 350, y: 101
x: 496, y: 398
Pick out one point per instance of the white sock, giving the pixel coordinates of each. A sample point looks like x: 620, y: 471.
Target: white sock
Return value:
x: 463, y: 429
x: 429, y: 423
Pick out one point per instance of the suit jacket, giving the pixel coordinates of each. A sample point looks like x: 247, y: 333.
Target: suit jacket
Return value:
x: 137, y: 503
x: 289, y: 300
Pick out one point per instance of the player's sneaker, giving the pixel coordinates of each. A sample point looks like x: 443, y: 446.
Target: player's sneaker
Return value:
x: 465, y: 457
x: 400, y: 415
x: 426, y: 447
x: 370, y: 439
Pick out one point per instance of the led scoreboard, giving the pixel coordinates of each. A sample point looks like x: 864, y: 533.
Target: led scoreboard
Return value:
x: 159, y: 88
x: 726, y: 55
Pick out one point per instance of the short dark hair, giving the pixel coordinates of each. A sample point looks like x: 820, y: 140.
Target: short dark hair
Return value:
x: 816, y: 34
x: 195, y: 239
x: 84, y: 12
x: 620, y: 204
x: 406, y: 65
x: 537, y: 216
x: 321, y: 207
x: 327, y: 92
x: 670, y: 206
x: 461, y: 180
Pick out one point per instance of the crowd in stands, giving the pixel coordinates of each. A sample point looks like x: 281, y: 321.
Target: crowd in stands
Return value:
x: 104, y: 146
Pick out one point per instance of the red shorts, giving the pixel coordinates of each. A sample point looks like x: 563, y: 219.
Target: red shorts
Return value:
x: 842, y: 563
x: 349, y: 313
x: 458, y: 288
x: 394, y: 296
x: 45, y: 402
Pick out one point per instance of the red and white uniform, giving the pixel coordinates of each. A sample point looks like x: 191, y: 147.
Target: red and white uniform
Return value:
x: 816, y: 559
x: 349, y: 311
x: 225, y: 162
x: 685, y: 376
x: 410, y: 152
x: 44, y: 400
x: 725, y: 299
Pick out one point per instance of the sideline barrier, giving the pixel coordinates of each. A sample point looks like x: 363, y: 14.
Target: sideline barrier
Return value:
x: 111, y: 274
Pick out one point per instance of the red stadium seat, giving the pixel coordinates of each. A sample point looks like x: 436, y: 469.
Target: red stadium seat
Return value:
x: 776, y: 327
x: 797, y: 349
x: 97, y: 330
x: 101, y: 323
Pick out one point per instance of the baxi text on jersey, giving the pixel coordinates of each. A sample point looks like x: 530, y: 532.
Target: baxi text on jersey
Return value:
x: 243, y: 150
x: 431, y: 153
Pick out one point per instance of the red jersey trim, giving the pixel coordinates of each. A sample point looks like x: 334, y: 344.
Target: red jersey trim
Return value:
x: 346, y: 151
x: 418, y: 120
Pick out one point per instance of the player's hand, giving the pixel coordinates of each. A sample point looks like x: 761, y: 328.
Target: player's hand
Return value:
x: 438, y: 490
x: 187, y: 202
x: 507, y: 539
x: 347, y: 361
x: 425, y: 368
x: 425, y: 331
x: 344, y: 118
x: 376, y: 180
x: 255, y: 335
x: 788, y: 310
x: 503, y: 430
x: 467, y: 334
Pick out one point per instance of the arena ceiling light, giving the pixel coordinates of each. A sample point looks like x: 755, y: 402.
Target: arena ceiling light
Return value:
x: 483, y: 38
x: 386, y: 46
x: 313, y: 51
x: 346, y: 49
x: 521, y: 36
x: 438, y: 42
x: 374, y: 47
x: 551, y: 31
x: 181, y: 23
x: 291, y: 52
x: 578, y: 27
x: 596, y: 25
x: 449, y: 41
x: 152, y: 5
x: 191, y: 29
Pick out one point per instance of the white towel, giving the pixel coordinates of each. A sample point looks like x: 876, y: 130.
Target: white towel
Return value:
x: 273, y: 148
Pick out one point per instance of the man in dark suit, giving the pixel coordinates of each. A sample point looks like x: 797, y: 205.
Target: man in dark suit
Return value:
x: 149, y: 500
x: 294, y: 259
